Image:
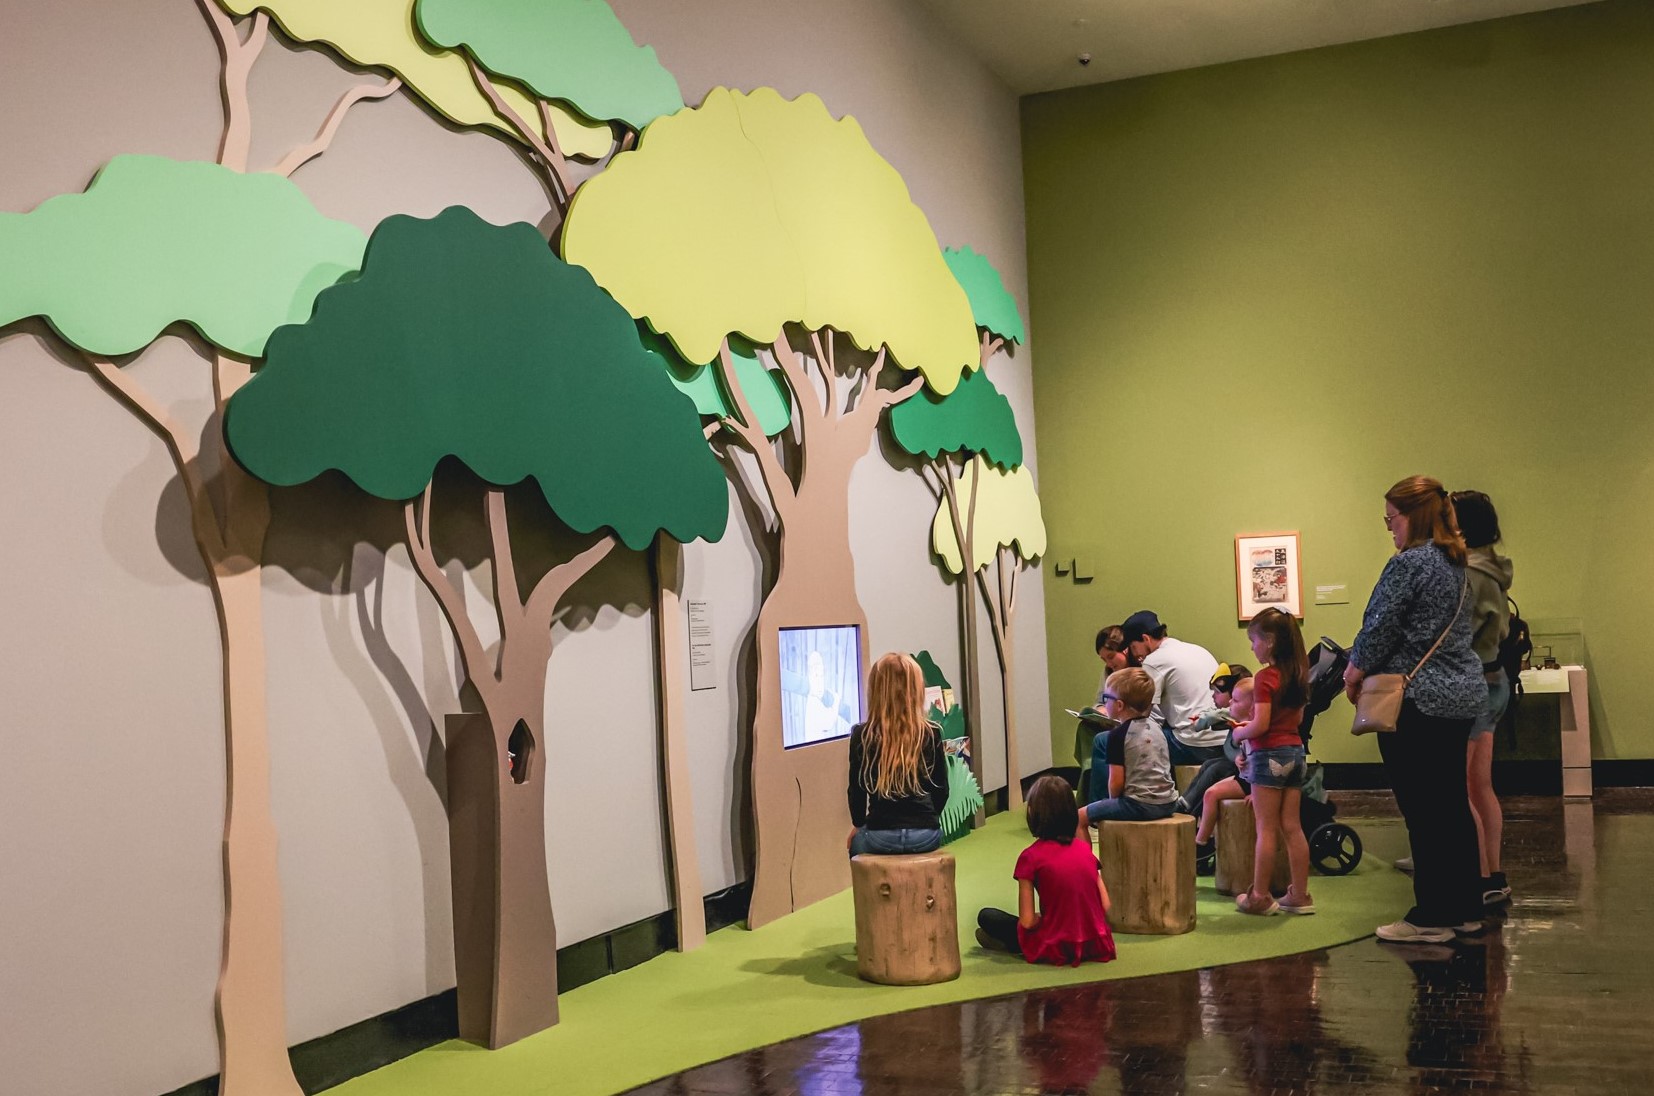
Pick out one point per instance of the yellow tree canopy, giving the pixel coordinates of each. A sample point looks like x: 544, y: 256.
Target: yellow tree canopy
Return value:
x: 381, y: 34
x: 1007, y: 515
x: 752, y: 211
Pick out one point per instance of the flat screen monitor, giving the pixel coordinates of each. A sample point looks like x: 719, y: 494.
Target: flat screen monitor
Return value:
x: 820, y: 683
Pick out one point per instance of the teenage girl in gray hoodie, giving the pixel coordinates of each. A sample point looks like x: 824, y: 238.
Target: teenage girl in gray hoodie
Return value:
x: 1490, y: 575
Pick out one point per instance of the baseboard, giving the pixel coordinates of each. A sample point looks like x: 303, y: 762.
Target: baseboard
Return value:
x: 333, y: 1059
x: 1513, y: 777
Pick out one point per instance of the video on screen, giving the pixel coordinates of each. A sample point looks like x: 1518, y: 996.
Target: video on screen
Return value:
x: 820, y: 683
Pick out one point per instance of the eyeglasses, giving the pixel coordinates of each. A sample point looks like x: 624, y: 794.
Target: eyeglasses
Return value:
x: 1110, y: 696
x: 1389, y: 520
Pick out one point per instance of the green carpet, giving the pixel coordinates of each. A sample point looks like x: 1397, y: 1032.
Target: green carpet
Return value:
x: 798, y: 975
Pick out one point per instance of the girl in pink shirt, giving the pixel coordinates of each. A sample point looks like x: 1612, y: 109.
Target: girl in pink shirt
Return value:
x: 1070, y: 924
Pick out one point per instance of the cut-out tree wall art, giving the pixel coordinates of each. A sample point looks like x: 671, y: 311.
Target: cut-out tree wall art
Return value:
x: 153, y: 243
x: 570, y: 52
x: 756, y: 219
x: 1009, y: 531
x: 382, y: 34
x: 466, y: 340
x: 974, y: 419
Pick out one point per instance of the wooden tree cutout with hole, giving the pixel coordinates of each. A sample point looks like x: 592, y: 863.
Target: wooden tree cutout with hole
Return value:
x: 753, y: 220
x: 465, y: 340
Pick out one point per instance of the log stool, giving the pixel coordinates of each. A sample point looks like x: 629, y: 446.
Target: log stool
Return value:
x: 1149, y: 870
x: 1182, y: 775
x: 907, y: 918
x: 1237, y: 837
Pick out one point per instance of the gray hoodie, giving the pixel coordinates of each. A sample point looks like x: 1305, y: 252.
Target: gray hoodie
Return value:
x: 1490, y: 575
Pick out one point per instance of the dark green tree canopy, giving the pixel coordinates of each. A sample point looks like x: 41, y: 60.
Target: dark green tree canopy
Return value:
x: 470, y: 340
x: 974, y: 418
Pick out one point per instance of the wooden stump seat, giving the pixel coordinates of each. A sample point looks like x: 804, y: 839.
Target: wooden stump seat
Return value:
x: 907, y: 918
x: 1237, y: 836
x: 1149, y: 870
x: 1182, y: 775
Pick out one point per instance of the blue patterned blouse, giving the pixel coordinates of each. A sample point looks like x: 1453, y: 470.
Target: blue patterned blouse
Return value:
x: 1415, y: 598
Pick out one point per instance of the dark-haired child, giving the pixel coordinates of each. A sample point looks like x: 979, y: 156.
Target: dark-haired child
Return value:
x: 1069, y: 922
x: 1275, y: 761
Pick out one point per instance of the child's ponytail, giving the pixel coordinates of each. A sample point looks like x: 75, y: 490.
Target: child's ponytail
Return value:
x: 1286, y: 654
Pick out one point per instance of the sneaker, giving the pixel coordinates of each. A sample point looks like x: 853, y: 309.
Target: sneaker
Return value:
x: 1302, y: 909
x: 1470, y: 928
x: 1264, y: 906
x: 1181, y: 806
x: 987, y: 942
x: 1495, y: 890
x: 1404, y: 863
x: 1405, y: 932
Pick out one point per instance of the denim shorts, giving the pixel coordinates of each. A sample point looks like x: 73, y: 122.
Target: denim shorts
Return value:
x: 1498, y: 698
x: 1281, y: 767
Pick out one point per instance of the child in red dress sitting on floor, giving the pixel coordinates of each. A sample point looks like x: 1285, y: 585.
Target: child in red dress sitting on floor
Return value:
x: 1070, y: 925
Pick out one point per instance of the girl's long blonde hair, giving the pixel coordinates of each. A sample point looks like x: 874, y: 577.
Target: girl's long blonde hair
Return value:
x: 894, y: 739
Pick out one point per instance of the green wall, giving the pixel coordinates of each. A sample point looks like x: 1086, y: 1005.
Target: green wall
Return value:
x: 1265, y: 291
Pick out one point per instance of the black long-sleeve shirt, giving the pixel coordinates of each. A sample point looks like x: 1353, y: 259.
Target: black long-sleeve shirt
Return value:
x: 909, y: 812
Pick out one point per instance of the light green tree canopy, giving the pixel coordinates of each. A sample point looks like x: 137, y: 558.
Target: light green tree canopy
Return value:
x: 573, y: 51
x: 1007, y: 514
x: 994, y: 309
x: 752, y: 211
x: 466, y: 339
x: 974, y: 418
x: 152, y: 242
x: 763, y: 387
x: 381, y: 34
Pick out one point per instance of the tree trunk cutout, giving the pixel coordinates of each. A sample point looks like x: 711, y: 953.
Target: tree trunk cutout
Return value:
x: 670, y: 637
x: 801, y: 812
x: 1002, y: 604
x: 250, y: 1004
x: 964, y: 532
x: 505, y: 936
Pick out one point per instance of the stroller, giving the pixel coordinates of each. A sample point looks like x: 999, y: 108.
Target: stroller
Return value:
x: 1334, y: 848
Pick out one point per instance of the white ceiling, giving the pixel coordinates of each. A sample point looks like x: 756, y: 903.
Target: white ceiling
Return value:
x: 1034, y: 45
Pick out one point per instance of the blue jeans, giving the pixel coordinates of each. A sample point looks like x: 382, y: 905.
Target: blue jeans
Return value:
x: 894, y: 842
x: 1125, y: 809
x: 1179, y: 754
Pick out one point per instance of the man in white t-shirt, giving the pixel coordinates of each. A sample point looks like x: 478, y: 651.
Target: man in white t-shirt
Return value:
x: 1182, y: 674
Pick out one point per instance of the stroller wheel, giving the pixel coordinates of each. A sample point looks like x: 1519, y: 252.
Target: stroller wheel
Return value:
x: 1335, y: 849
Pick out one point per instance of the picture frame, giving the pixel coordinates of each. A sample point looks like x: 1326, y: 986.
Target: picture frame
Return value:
x: 1268, y: 574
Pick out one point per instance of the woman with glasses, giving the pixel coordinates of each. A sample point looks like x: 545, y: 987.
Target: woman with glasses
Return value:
x: 1418, y: 623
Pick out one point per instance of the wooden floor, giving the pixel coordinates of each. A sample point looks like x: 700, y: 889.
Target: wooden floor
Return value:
x: 1557, y: 998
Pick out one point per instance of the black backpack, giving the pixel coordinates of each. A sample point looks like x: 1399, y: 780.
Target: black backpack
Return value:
x: 1515, y: 648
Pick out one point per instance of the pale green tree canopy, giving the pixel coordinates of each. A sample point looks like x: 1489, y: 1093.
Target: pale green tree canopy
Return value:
x: 994, y: 309
x: 1007, y: 514
x: 152, y: 242
x: 764, y: 389
x: 753, y: 211
x: 474, y: 341
x: 975, y: 418
x: 574, y: 51
x: 381, y: 34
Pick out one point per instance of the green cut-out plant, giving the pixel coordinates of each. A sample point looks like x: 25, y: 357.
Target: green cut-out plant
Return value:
x: 753, y: 218
x: 964, y: 792
x: 465, y: 340
x: 950, y: 431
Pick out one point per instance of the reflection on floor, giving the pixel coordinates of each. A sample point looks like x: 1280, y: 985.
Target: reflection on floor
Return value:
x: 1556, y: 998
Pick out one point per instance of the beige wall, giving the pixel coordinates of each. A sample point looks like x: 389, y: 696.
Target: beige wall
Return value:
x: 111, y: 760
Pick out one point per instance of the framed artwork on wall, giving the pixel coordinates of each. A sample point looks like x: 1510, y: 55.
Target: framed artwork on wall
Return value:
x: 1267, y: 574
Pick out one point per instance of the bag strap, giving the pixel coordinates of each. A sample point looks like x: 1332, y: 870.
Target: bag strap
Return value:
x: 1452, y: 620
